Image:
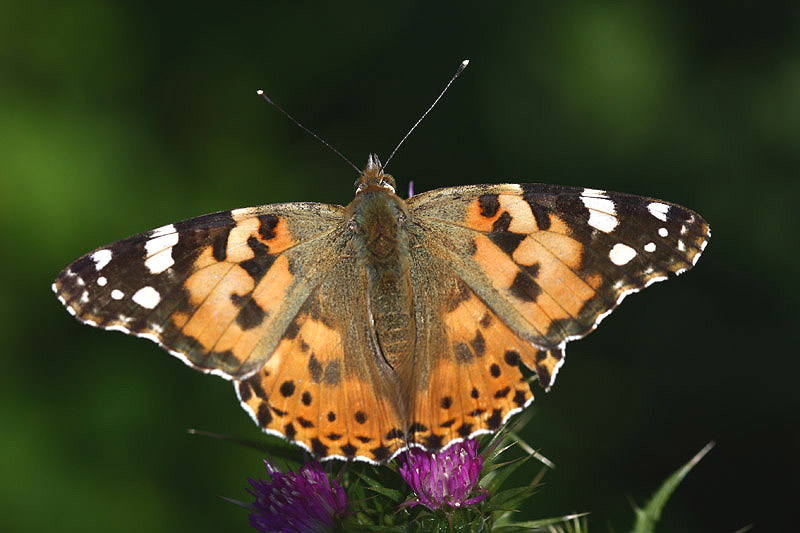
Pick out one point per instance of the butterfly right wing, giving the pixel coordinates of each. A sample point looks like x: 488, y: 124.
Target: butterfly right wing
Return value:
x: 217, y: 291
x: 553, y: 261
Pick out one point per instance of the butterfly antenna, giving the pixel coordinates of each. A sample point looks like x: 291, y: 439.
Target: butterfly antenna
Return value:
x: 459, y: 70
x: 297, y: 122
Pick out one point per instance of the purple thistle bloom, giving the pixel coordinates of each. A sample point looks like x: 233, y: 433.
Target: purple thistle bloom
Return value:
x: 444, y: 478
x: 296, y: 501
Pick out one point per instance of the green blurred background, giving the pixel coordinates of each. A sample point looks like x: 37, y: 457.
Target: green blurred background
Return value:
x: 120, y: 117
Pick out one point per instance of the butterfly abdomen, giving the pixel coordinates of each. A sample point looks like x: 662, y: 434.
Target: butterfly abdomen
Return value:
x: 382, y: 242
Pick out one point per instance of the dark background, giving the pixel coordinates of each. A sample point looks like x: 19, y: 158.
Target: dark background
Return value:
x: 116, y: 118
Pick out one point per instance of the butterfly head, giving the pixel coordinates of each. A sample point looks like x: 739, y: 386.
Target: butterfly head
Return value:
x: 374, y: 177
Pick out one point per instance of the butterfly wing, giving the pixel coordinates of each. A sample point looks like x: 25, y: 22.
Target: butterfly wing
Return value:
x: 465, y: 377
x: 326, y: 385
x: 217, y: 291
x: 550, y: 261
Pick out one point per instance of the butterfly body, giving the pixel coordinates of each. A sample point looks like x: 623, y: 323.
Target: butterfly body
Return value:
x: 381, y: 240
x: 358, y: 331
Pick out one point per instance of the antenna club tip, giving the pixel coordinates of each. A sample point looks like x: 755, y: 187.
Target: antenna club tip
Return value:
x: 260, y: 92
x: 465, y: 63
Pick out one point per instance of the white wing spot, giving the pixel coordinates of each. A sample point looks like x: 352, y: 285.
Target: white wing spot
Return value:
x: 658, y: 210
x: 160, y: 262
x: 621, y: 254
x: 117, y: 294
x: 663, y: 232
x: 681, y: 246
x: 601, y: 213
x: 101, y: 258
x: 102, y: 281
x: 594, y: 192
x: 84, y: 297
x: 147, y: 297
x: 650, y: 247
x: 163, y: 230
x: 160, y: 242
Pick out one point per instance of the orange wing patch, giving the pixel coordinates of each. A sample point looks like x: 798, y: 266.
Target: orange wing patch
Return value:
x: 306, y: 393
x: 234, y: 300
x: 478, y: 384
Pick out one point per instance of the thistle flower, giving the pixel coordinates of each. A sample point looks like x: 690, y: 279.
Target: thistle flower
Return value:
x: 304, y: 501
x: 443, y: 479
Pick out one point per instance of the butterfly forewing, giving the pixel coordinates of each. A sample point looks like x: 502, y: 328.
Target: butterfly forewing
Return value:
x: 216, y: 291
x: 552, y: 261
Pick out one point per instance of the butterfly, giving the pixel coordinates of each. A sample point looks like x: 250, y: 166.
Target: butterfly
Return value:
x: 359, y: 331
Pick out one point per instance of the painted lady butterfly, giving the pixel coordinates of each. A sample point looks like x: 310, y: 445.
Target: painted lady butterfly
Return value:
x: 357, y: 331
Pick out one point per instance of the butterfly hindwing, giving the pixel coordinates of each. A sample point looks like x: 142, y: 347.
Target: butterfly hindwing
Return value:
x: 216, y: 291
x: 326, y: 386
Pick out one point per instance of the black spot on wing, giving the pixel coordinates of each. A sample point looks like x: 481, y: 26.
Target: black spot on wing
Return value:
x: 333, y: 372
x: 258, y: 266
x: 478, y: 344
x: 219, y: 245
x: 524, y: 288
x: 318, y: 448
x: 502, y: 223
x: 306, y: 398
x: 250, y: 315
x: 519, y: 398
x: 502, y: 393
x: 305, y: 423
x: 494, y: 421
x: 489, y: 204
x: 349, y: 450
x: 507, y: 241
x: 433, y: 442
x: 287, y: 388
x: 267, y: 228
x: 393, y: 434
x: 381, y: 453
x: 462, y: 352
x: 459, y: 294
x: 244, y: 391
x: 315, y: 369
x: 540, y: 213
x: 512, y: 357
x: 417, y: 427
x: 263, y: 415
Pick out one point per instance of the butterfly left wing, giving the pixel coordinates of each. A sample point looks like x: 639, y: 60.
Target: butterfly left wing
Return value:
x: 326, y: 386
x: 216, y: 291
x: 550, y: 261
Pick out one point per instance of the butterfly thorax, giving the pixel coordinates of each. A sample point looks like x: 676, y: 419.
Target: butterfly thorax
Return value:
x: 381, y: 242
